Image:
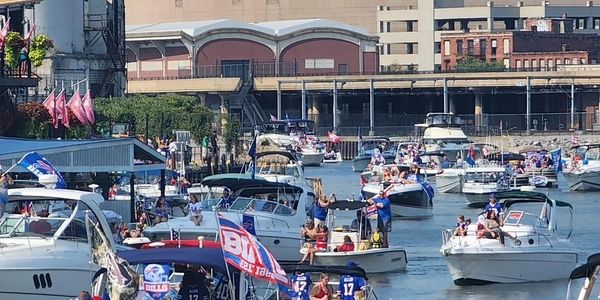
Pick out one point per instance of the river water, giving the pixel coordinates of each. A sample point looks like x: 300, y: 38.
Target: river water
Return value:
x: 427, y: 276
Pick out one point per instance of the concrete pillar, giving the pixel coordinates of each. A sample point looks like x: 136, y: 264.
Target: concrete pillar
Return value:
x: 224, y: 111
x: 202, y: 97
x: 478, y: 110
x: 528, y: 111
x: 303, y: 106
x: 490, y: 17
x: 371, y: 107
x: 278, y: 100
x: 446, y: 108
x: 313, y: 110
x: 334, y: 109
x: 572, y: 105
x: 451, y: 104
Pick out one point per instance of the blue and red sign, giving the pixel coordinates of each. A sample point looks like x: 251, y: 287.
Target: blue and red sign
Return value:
x: 156, y: 280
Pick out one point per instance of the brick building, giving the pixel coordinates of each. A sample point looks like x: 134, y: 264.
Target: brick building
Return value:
x: 544, y: 44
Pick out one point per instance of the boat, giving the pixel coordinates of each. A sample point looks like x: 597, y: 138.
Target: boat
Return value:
x: 297, y: 135
x: 48, y: 255
x: 540, y: 251
x: 590, y: 271
x: 333, y: 159
x: 442, y: 132
x: 278, y: 218
x: 372, y: 260
x: 366, y: 145
x: 583, y: 171
x: 337, y: 271
x: 408, y: 199
x: 480, y: 182
x: 540, y: 171
x: 450, y: 181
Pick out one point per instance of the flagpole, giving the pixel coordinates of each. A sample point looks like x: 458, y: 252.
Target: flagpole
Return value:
x: 229, y: 277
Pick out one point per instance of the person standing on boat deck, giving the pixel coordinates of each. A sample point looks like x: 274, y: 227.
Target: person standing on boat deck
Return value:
x: 351, y: 287
x: 5, y: 181
x: 320, y: 209
x: 226, y: 199
x: 384, y: 215
x: 301, y: 283
x: 496, y: 207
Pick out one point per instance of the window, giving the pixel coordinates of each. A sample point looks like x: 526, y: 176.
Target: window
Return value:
x: 575, y: 61
x: 447, y: 48
x: 551, y: 64
x: 380, y: 26
x: 596, y: 23
x: 482, y: 47
x: 459, y: 47
x: 342, y: 69
x: 519, y: 64
x: 507, y: 63
x: 558, y: 62
x: 526, y: 63
x: 388, y: 48
x: 494, y: 47
x: 534, y: 64
x: 470, y: 47
x: 319, y: 63
x: 506, y: 46
x: 542, y: 64
x: 437, y: 47
x: 567, y: 61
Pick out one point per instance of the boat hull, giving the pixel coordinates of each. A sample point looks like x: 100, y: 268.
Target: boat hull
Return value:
x: 587, y: 181
x: 312, y: 159
x: 510, y: 267
x: 477, y: 195
x: 360, y: 163
x: 548, y: 173
x: 338, y: 159
x: 450, y: 184
x: 410, y: 203
x: 381, y: 260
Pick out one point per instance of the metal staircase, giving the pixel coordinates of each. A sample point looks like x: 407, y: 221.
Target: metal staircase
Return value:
x: 245, y: 101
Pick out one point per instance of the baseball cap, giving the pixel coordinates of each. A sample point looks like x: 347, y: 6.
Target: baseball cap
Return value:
x: 492, y: 196
x: 351, y: 264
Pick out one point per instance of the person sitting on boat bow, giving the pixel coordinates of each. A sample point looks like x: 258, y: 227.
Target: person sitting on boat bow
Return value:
x: 320, y: 244
x: 377, y: 158
x: 331, y: 154
x: 226, y: 199
x: 492, y: 230
x: 195, y: 210
x: 162, y: 210
x: 461, y: 226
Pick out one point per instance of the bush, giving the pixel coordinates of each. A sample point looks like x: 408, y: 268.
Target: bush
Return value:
x: 471, y: 64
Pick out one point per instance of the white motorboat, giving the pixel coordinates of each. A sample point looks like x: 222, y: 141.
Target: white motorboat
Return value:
x: 583, y: 172
x: 366, y: 145
x: 277, y: 198
x: 480, y: 182
x: 589, y: 272
x: 442, y: 132
x: 297, y: 135
x: 409, y: 198
x: 539, y: 171
x: 541, y: 251
x: 450, y: 180
x: 372, y: 260
x: 48, y: 256
x: 330, y: 159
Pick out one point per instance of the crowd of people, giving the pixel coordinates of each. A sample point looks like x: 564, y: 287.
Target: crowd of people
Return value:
x: 350, y: 287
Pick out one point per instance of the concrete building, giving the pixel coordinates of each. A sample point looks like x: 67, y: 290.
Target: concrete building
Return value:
x: 545, y: 44
x: 89, y: 41
x: 410, y: 37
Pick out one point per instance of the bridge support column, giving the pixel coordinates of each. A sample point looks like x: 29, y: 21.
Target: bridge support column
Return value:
x: 573, y: 106
x: 224, y: 113
x: 334, y: 110
x: 478, y: 110
x: 446, y: 107
x: 278, y: 100
x: 528, y: 116
x: 202, y: 97
x: 313, y: 110
x: 371, y: 108
x: 451, y: 104
x: 303, y: 106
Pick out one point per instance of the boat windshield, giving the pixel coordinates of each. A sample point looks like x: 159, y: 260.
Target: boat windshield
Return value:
x: 243, y: 204
x: 368, y: 145
x: 483, y: 177
x: 592, y: 154
x: 277, y: 169
x: 62, y: 219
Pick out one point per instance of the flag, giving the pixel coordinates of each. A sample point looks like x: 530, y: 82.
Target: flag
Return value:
x: 334, y: 138
x: 4, y: 32
x: 574, y: 140
x: 371, y: 210
x: 472, y: 151
x: 500, y: 124
x: 88, y: 105
x: 39, y: 165
x: 62, y: 113
x: 273, y: 118
x: 50, y: 105
x: 75, y: 104
x: 248, y: 223
x: 252, y: 154
x: 175, y: 236
x: 556, y: 159
x: 29, y: 34
x: 244, y: 252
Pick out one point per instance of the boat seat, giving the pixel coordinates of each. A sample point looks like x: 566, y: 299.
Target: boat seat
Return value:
x: 40, y: 227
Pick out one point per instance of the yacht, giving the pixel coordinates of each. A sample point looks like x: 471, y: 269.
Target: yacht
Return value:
x: 442, y: 132
x: 366, y: 145
x: 297, y: 135
x: 583, y: 171
x: 48, y: 255
x: 278, y: 198
x: 533, y: 171
x: 480, y: 182
x: 450, y: 181
x: 372, y: 260
x: 540, y: 251
x: 410, y: 198
x: 590, y: 271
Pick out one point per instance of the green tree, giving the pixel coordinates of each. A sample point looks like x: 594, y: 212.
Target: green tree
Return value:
x: 231, y: 134
x: 472, y: 64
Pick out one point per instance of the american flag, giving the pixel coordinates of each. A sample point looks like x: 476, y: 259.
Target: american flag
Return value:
x: 175, y: 234
x: 371, y: 210
x: 574, y: 140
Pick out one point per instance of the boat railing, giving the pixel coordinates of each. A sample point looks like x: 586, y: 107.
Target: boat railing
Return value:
x: 527, y: 238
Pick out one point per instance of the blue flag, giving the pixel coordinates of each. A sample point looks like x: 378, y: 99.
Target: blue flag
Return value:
x: 38, y: 165
x: 252, y: 154
x: 248, y: 224
x: 557, y: 160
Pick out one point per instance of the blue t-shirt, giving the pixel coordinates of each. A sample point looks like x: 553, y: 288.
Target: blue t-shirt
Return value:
x: 194, y: 292
x: 300, y: 286
x: 226, y: 202
x: 385, y: 212
x: 350, y: 285
x: 319, y: 212
x: 497, y: 208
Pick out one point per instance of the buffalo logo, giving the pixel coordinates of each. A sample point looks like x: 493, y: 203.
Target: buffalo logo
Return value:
x: 155, y: 273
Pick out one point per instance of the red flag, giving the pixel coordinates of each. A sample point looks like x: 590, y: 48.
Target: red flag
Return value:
x: 50, y: 105
x: 574, y: 140
x: 61, y: 108
x: 75, y: 104
x: 4, y: 32
x: 472, y: 152
x: 88, y: 106
x: 273, y: 118
x: 334, y: 138
x: 29, y: 34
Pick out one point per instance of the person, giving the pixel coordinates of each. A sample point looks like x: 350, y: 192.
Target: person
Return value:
x: 384, y: 215
x: 112, y: 192
x: 162, y: 210
x: 492, y: 230
x: 351, y: 287
x: 495, y: 206
x: 195, y: 209
x: 446, y: 163
x: 331, y: 154
x: 322, y: 290
x: 5, y: 181
x: 320, y: 245
x: 308, y: 232
x: 193, y: 286
x: 376, y: 240
x: 172, y: 155
x: 414, y: 169
x: 347, y: 246
x: 84, y: 295
x: 226, y: 199
x: 213, y: 144
x: 377, y: 158
x: 301, y: 283
x: 461, y: 226
x: 547, y: 162
x: 363, y: 222
x: 320, y: 209
x: 23, y: 59
x: 205, y: 144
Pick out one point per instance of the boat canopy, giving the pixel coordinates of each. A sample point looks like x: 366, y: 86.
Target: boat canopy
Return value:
x: 347, y: 205
x: 531, y: 148
x: 289, y: 126
x: 444, y: 133
x: 206, y: 257
x: 237, y: 181
x: 506, y: 156
x: 588, y: 268
x: 340, y: 270
x: 509, y: 198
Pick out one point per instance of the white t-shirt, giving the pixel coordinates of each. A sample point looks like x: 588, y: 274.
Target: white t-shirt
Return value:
x: 195, y: 208
x: 173, y: 147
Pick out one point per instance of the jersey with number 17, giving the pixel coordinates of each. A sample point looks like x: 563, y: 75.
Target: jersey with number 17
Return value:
x: 349, y: 285
x: 301, y: 285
